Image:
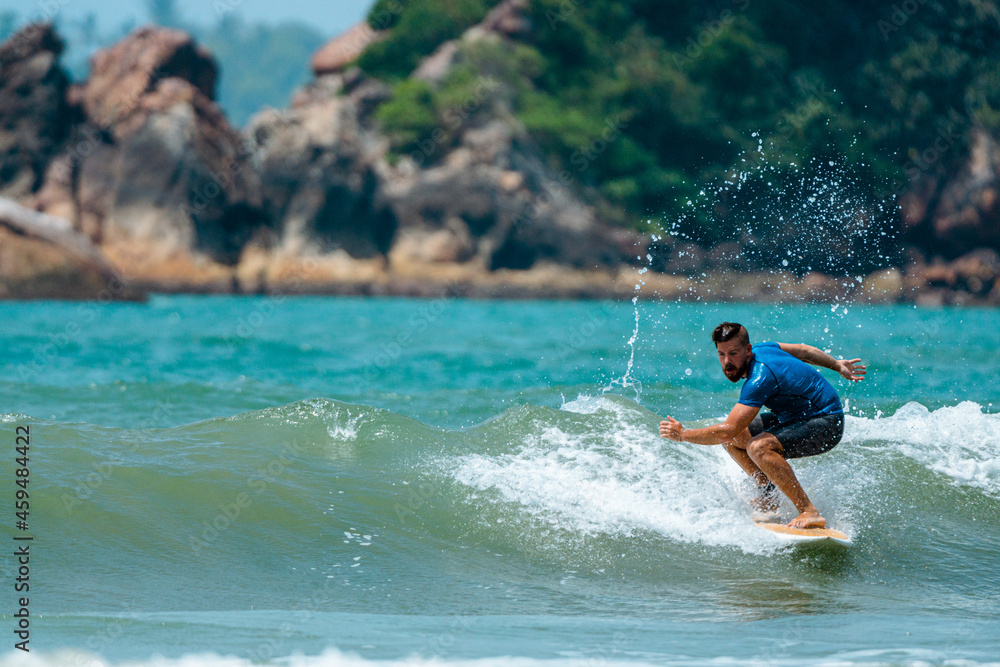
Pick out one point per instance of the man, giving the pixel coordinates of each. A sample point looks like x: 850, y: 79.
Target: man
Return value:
x: 805, y: 416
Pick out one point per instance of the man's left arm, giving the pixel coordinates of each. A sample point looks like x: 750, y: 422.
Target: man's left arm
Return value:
x: 851, y: 369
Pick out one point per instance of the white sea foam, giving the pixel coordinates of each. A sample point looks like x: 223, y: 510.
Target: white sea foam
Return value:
x: 344, y: 427
x: 586, y: 405
x: 341, y: 421
x: 335, y: 658
x: 961, y: 442
x: 616, y: 476
x: 11, y: 417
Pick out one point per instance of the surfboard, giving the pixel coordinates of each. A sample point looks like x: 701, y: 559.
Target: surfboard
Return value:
x: 806, y: 535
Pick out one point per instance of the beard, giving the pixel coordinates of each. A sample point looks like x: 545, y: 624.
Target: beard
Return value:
x: 734, y: 374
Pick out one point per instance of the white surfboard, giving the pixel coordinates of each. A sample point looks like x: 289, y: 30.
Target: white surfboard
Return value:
x: 806, y: 535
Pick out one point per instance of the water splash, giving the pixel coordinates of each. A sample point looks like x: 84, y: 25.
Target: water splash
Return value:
x: 627, y: 380
x: 603, y: 471
x: 786, y: 219
x: 819, y: 215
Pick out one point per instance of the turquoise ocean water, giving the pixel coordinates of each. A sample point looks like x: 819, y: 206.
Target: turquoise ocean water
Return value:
x: 370, y: 482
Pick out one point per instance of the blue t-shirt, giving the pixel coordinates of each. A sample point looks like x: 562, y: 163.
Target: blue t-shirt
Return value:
x: 787, y: 386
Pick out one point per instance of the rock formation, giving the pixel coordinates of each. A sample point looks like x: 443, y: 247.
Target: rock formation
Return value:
x: 154, y: 169
x: 42, y: 256
x: 139, y: 174
x: 318, y: 172
x: 36, y: 117
x: 949, y: 216
x: 972, y: 278
x: 334, y: 56
x: 487, y: 198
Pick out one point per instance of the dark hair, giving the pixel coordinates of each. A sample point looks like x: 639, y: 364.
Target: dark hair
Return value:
x: 728, y: 331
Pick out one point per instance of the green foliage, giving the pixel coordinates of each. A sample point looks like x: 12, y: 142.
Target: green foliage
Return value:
x: 645, y: 101
x: 418, y: 27
x: 385, y: 14
x: 410, y: 116
x: 424, y: 122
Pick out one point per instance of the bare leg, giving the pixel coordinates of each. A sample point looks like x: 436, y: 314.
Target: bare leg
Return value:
x: 763, y: 503
x: 767, y: 453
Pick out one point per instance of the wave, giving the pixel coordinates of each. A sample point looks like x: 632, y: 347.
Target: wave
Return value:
x: 586, y: 488
x: 594, y: 466
x: 960, y: 443
x: 602, y: 469
x: 332, y: 657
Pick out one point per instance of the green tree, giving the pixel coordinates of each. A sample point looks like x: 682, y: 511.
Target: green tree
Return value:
x: 418, y: 27
x: 647, y: 102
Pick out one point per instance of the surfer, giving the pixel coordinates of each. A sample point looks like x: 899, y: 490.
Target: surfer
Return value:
x: 805, y: 418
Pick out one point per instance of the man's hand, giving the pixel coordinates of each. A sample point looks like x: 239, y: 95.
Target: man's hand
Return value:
x: 672, y: 429
x: 851, y: 369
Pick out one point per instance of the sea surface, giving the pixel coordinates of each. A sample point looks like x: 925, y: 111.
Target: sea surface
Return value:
x: 314, y: 481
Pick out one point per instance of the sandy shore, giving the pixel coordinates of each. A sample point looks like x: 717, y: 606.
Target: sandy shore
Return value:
x: 269, y: 273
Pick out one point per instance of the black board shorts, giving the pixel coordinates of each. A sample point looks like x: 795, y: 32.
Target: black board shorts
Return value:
x: 807, y: 437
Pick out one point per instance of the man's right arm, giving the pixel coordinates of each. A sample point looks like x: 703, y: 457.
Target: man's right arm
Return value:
x: 719, y: 434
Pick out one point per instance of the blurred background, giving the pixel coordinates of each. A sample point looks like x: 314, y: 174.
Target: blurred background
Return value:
x: 437, y: 143
x: 280, y: 35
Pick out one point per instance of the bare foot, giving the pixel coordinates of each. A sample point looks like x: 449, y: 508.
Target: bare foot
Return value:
x: 808, y: 519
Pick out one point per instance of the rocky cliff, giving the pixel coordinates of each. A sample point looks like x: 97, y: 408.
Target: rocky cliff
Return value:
x: 139, y: 160
x: 36, y: 115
